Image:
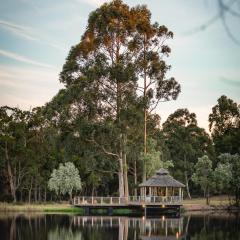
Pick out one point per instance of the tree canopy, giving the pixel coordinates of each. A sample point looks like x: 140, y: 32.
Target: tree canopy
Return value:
x: 103, y: 123
x: 65, y: 179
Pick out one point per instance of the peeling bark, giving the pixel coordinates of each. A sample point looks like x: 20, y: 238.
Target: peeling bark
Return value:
x: 10, y: 174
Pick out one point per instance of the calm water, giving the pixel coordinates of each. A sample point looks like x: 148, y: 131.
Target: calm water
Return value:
x: 57, y: 226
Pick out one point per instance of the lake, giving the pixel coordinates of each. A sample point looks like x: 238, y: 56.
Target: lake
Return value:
x: 70, y: 227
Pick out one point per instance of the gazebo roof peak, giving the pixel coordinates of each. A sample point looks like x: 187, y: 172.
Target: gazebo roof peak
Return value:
x: 161, y: 179
x: 162, y: 171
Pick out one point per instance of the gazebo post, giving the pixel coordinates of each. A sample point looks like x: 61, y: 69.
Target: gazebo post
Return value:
x: 166, y: 192
x: 180, y: 194
x: 150, y: 191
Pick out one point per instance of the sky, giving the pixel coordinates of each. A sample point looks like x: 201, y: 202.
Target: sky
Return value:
x: 36, y: 36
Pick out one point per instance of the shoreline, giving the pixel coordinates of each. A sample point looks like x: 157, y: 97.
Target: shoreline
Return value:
x: 67, y: 208
x: 205, y: 208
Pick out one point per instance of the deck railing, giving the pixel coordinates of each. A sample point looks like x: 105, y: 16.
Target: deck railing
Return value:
x: 126, y: 200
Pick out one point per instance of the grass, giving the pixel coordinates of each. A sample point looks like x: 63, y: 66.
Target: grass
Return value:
x: 215, y: 201
x: 199, y: 204
x: 36, y: 207
x: 122, y: 211
x: 188, y: 205
x: 65, y: 210
x: 56, y: 207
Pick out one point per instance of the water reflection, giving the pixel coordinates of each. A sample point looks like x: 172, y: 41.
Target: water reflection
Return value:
x: 71, y: 227
x: 143, y: 228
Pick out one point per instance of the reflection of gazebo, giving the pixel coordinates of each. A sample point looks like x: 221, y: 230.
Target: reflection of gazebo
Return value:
x: 162, y: 229
x: 161, y: 184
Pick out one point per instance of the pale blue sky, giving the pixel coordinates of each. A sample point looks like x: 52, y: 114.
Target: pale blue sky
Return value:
x: 35, y: 37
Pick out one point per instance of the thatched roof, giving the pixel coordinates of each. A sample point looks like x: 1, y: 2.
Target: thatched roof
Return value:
x: 161, y: 179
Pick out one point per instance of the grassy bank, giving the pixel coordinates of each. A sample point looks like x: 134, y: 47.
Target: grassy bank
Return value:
x: 53, y: 207
x: 61, y: 208
x: 199, y: 204
x: 195, y: 204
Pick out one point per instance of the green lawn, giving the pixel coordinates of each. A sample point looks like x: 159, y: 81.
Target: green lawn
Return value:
x: 36, y: 207
x: 216, y: 200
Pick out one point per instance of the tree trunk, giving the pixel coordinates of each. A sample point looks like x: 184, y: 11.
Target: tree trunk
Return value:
x: 207, y: 196
x: 187, y: 186
x: 126, y: 189
x: 70, y: 195
x: 21, y: 193
x: 145, y: 146
x: 121, y: 173
x: 125, y: 169
x: 30, y: 192
x: 135, y: 177
x: 120, y: 178
x: 144, y: 176
x: 45, y: 194
x: 120, y: 150
x: 237, y: 196
x: 35, y: 191
x: 10, y: 175
x: 186, y: 176
x: 39, y: 194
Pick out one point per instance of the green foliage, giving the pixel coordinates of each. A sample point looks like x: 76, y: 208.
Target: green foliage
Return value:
x: 186, y: 143
x: 234, y: 162
x: 153, y: 158
x: 203, y: 175
x: 65, y: 179
x: 235, y: 183
x: 224, y: 123
x: 96, y: 122
x: 222, y: 177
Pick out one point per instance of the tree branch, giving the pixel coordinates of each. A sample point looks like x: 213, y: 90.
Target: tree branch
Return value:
x: 103, y: 148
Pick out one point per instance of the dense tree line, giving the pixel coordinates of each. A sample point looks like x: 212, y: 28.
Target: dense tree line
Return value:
x: 103, y: 121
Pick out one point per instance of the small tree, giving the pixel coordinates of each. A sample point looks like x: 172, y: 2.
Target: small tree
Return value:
x: 222, y: 177
x: 204, y: 175
x: 65, y: 179
x: 153, y: 158
x: 228, y: 174
x: 235, y: 182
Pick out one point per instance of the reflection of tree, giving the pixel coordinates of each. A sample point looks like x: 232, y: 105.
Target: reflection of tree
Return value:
x: 13, y: 229
x: 131, y: 228
x: 225, y: 8
x: 123, y: 229
x: 64, y: 233
x: 51, y: 227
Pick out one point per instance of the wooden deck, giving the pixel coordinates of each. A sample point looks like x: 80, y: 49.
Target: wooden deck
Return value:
x: 127, y: 201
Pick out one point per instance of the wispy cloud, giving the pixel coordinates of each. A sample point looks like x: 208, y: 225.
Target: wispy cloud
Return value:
x: 231, y: 82
x: 27, y: 33
x: 19, y: 30
x: 27, y: 86
x: 23, y: 59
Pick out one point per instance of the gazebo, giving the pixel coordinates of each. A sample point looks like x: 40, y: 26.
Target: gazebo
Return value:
x: 161, y: 185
